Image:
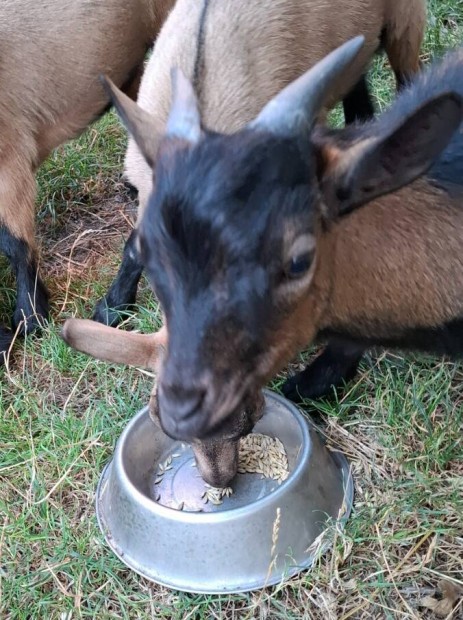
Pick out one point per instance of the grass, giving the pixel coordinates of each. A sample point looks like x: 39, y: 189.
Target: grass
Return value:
x: 400, y: 423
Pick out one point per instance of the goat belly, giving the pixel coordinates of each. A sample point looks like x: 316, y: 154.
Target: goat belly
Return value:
x: 445, y: 339
x: 442, y: 340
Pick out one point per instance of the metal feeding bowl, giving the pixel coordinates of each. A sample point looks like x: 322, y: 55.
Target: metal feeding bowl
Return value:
x: 152, y: 513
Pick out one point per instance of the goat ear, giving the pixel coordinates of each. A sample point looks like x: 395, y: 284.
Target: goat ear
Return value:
x: 383, y: 164
x: 114, y: 345
x: 141, y: 125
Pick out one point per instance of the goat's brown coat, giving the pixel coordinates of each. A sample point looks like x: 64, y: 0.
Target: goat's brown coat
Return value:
x: 51, y: 54
x: 405, y: 246
x: 252, y: 50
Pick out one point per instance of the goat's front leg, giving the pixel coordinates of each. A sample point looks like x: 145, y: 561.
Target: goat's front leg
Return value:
x: 32, y: 296
x: 357, y: 104
x: 336, y: 365
x: 122, y: 293
x: 17, y: 230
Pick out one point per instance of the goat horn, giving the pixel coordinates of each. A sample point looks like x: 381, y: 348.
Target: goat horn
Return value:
x: 184, y: 121
x: 297, y: 105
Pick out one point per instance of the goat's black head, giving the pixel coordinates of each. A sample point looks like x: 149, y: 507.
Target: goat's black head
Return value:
x: 215, y: 283
x: 232, y: 235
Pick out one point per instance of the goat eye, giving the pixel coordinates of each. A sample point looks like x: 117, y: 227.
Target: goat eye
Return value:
x: 299, y: 265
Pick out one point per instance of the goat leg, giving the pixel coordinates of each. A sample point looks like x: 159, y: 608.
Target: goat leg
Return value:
x: 17, y: 228
x: 31, y: 293
x: 32, y: 296
x: 336, y: 365
x: 357, y: 104
x: 122, y: 293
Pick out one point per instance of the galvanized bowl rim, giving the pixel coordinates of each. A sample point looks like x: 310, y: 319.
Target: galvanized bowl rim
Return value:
x: 223, y: 515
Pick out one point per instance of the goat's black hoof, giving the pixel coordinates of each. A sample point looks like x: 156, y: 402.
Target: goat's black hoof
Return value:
x: 107, y: 315
x: 295, y: 389
x: 30, y: 315
x: 298, y: 389
x: 315, y: 381
x: 27, y: 319
x: 24, y: 324
x: 6, y: 338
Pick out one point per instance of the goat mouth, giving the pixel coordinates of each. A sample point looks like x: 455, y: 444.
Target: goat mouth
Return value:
x: 182, y: 430
x: 223, y: 428
x: 199, y: 427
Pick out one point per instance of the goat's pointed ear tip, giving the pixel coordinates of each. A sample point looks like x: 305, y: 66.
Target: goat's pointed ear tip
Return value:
x: 108, y: 85
x: 104, y: 80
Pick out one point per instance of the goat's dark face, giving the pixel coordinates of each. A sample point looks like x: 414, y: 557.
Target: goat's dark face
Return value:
x: 228, y: 241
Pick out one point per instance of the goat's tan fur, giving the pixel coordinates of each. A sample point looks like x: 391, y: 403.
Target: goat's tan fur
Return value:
x: 380, y: 268
x: 51, y: 54
x: 405, y: 246
x: 252, y: 50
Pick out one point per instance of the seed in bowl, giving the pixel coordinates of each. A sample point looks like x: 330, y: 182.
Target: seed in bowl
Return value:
x: 215, y: 495
x: 258, y: 454
x: 261, y: 454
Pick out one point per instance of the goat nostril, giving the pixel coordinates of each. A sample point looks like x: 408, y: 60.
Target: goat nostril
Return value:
x: 181, y: 402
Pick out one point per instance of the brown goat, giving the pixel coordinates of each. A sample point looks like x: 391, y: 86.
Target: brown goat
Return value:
x: 249, y: 271
x: 239, y: 55
x: 51, y: 54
